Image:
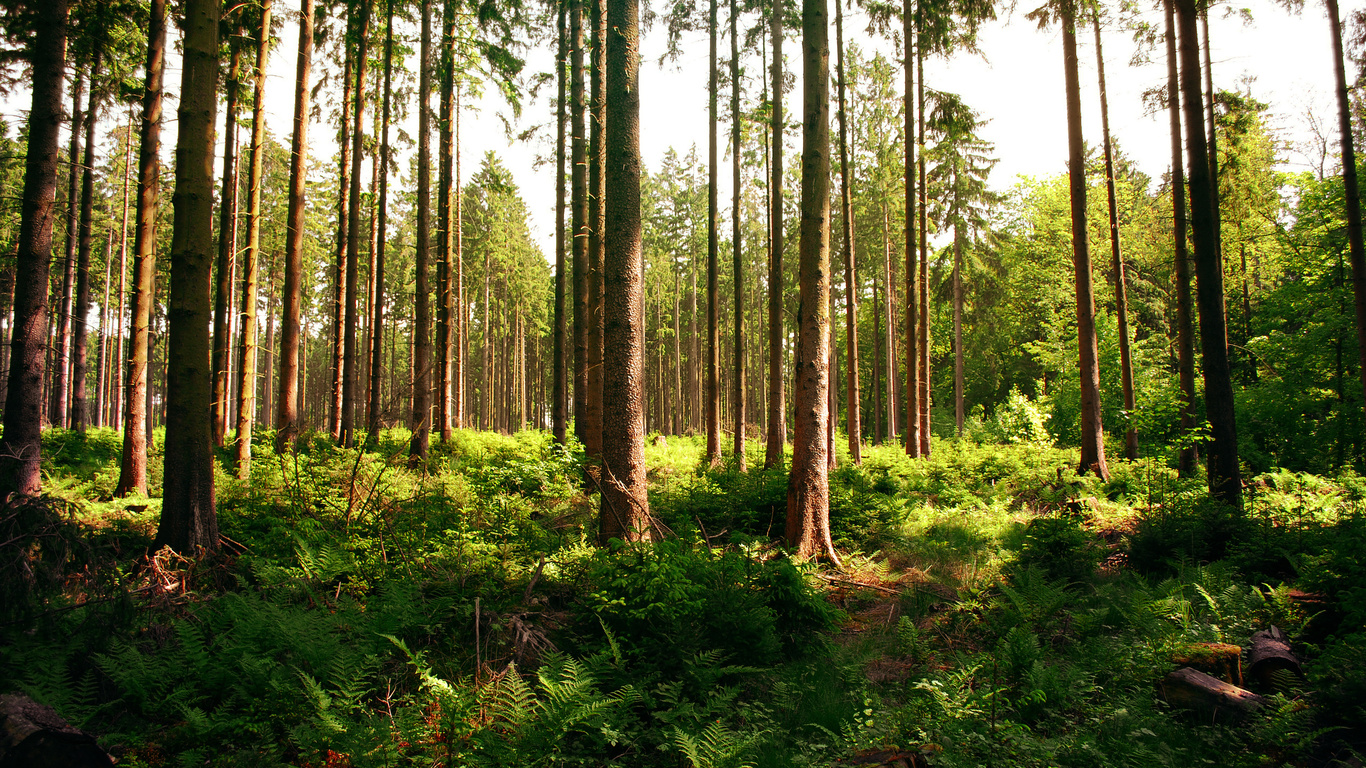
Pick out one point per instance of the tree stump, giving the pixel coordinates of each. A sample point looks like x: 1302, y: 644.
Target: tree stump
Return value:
x: 1193, y: 689
x: 34, y: 736
x: 1270, y: 652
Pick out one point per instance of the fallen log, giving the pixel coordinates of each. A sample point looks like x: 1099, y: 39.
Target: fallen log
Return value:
x: 35, y: 736
x: 1193, y: 689
x: 1221, y: 660
x: 1270, y: 652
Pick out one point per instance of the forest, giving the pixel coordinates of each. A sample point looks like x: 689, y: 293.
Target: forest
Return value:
x: 875, y: 459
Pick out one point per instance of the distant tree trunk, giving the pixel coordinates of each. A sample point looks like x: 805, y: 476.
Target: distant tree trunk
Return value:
x: 455, y: 299
x: 777, y: 411
x: 1225, y: 478
x: 57, y: 413
x: 889, y: 301
x: 422, y: 345
x: 349, y: 352
x: 878, y: 368
x: 908, y: 35
x: 1092, y: 431
x: 1213, y: 148
x: 445, y: 224
x: 713, y: 456
x: 851, y: 405
x: 80, y: 348
x: 957, y: 316
x: 1126, y: 368
x: 926, y: 401
x: 559, y: 417
x: 377, y: 300
x: 251, y: 267
x: 597, y: 194
x: 227, y: 254
x: 188, y: 518
x: 1185, y: 337
x: 116, y: 365
x: 626, y: 507
x: 287, y: 402
x: 808, y: 485
x: 1353, y: 191
x: 133, y: 467
x: 21, y: 444
x: 344, y: 163
x: 579, y: 223
x: 736, y: 251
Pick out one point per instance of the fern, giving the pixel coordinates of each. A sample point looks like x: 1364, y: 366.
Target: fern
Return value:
x: 717, y: 746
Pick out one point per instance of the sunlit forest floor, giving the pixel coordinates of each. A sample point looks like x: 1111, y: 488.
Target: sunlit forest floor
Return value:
x: 993, y: 609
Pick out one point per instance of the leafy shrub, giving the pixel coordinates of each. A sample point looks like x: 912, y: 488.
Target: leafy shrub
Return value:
x: 1195, y: 530
x: 1061, y: 548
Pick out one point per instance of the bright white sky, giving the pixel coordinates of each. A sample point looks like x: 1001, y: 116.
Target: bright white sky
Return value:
x: 1018, y: 88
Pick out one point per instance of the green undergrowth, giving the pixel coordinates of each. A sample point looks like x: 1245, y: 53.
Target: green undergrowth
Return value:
x: 993, y: 609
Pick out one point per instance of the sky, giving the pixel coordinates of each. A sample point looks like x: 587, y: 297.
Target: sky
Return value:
x: 1016, y: 84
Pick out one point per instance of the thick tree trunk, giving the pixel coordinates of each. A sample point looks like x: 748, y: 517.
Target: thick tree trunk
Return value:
x: 251, y: 267
x: 736, y: 250
x: 1185, y: 337
x: 227, y: 254
x: 851, y: 404
x: 133, y: 467
x: 344, y: 162
x: 1357, y: 253
x: 287, y: 403
x: 908, y: 23
x: 597, y: 195
x: 776, y: 436
x: 808, y: 485
x: 1126, y: 367
x: 422, y: 345
x: 1225, y: 477
x: 80, y: 347
x: 21, y: 445
x: 377, y: 300
x: 57, y: 414
x: 579, y: 224
x: 1092, y: 431
x: 347, y: 436
x: 188, y: 518
x: 626, y: 507
x: 559, y: 417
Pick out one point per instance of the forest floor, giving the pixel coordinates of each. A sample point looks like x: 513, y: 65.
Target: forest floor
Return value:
x: 992, y: 609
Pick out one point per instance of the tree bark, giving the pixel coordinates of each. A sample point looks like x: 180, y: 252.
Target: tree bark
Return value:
x: 251, y: 267
x: 1126, y: 367
x: 445, y: 225
x: 736, y: 250
x: 1225, y: 477
x: 924, y: 208
x: 713, y: 455
x: 559, y: 417
x: 958, y: 415
x: 913, y: 443
x: 776, y: 438
x: 57, y: 414
x: 377, y: 299
x: 287, y: 402
x: 455, y: 302
x: 21, y: 444
x: 81, y: 309
x: 1357, y: 254
x: 851, y: 404
x: 808, y: 485
x: 422, y: 345
x: 579, y: 223
x: 227, y: 254
x: 626, y: 506
x: 344, y: 164
x: 188, y: 518
x: 347, y: 436
x: 597, y: 195
x: 1185, y: 337
x: 1092, y: 431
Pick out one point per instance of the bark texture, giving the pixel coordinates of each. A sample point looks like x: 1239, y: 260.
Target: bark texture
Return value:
x: 776, y: 439
x: 422, y: 346
x: 287, y: 403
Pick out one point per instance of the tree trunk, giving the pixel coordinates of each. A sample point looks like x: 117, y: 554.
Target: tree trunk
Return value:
x: 116, y: 365
x: 445, y: 225
x: 422, y: 345
x: 21, y: 444
x: 1225, y: 478
x: 1126, y: 366
x: 736, y: 250
x: 57, y: 414
x: 808, y: 485
x: 559, y: 417
x: 957, y: 318
x: 347, y: 436
x: 188, y: 519
x: 626, y: 507
x: 908, y: 24
x: 579, y: 223
x: 924, y: 369
x: 851, y: 404
x: 455, y: 302
x: 287, y: 405
x: 377, y: 300
x: 889, y: 356
x: 343, y: 222
x: 776, y: 438
x: 713, y: 456
x: 1357, y: 253
x: 877, y: 365
x: 227, y: 254
x: 251, y: 267
x: 1185, y: 338
x: 597, y: 194
x: 80, y: 347
x: 1092, y: 431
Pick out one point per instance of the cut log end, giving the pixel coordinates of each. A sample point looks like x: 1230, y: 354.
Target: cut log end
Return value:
x: 1269, y: 653
x: 35, y: 736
